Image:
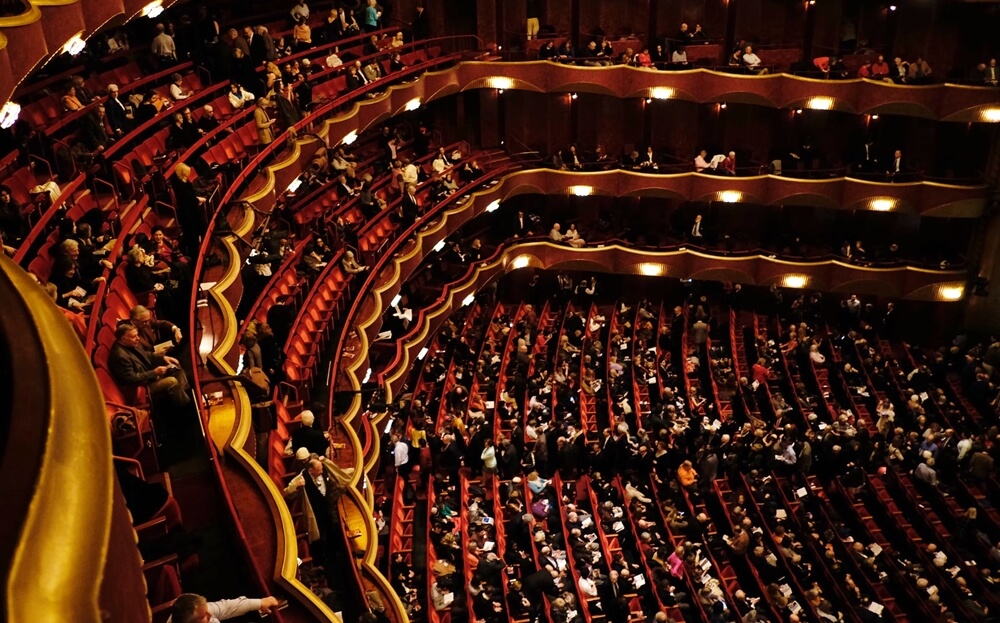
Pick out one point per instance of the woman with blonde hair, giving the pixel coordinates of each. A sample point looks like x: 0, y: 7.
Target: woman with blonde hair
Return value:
x: 263, y: 122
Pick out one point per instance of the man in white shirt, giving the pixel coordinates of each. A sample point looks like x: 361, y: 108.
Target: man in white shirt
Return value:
x: 410, y: 173
x: 191, y: 608
x: 750, y: 59
x: 401, y: 457
x: 700, y: 164
x: 163, y: 47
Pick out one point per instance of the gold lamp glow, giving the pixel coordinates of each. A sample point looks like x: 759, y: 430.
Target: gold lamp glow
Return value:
x: 521, y: 261
x: 9, y: 114
x: 413, y: 104
x: 581, y: 191
x: 795, y: 281
x: 883, y: 204
x: 350, y: 138
x: 820, y: 103
x: 499, y: 82
x: 661, y: 93
x: 730, y: 196
x: 991, y: 114
x: 652, y: 269
x: 494, y: 206
x: 153, y: 9
x: 951, y: 293
x: 75, y: 44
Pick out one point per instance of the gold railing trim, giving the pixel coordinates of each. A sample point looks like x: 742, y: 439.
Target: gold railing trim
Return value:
x: 60, y: 556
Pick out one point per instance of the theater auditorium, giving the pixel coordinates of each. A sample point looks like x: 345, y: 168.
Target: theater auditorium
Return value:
x: 490, y: 311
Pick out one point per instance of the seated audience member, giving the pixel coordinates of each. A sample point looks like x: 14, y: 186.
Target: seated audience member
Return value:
x: 440, y: 162
x: 566, y: 52
x: 153, y: 331
x: 70, y: 101
x: 919, y: 72
x: 572, y: 236
x: 13, y: 224
x: 548, y: 51
x: 572, y: 159
x: 396, y: 63
x: 648, y: 161
x: 607, y: 53
x: 238, y: 96
x: 94, y: 130
x: 177, y: 90
x: 208, y: 122
x: 350, y: 265
x: 140, y: 275
x: 751, y: 61
x: 880, y: 69
x: 679, y: 56
x: 865, y: 71
x: 659, y: 56
x: 728, y: 165
x: 991, y: 75
x: 700, y: 163
x: 133, y: 365
x: 642, y: 59
x: 900, y: 71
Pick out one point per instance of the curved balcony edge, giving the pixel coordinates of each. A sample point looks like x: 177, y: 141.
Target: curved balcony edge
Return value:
x: 61, y: 541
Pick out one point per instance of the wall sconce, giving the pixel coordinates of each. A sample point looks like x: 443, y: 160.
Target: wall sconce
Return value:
x: 9, y: 114
x: 153, y: 9
x: 75, y: 45
x: 795, y: 281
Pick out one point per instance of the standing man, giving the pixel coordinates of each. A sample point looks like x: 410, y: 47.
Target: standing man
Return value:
x: 532, y: 12
x: 163, y: 47
x: 321, y: 485
x: 421, y: 27
x: 696, y: 229
x: 401, y: 458
x: 191, y: 608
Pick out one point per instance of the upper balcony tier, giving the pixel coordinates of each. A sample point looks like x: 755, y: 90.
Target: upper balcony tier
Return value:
x: 942, y: 102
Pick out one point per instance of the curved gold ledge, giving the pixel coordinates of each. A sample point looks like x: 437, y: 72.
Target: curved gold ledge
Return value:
x: 286, y: 566
x: 60, y: 554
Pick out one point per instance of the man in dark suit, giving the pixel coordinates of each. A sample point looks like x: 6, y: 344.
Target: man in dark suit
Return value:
x: 409, y: 207
x: 255, y: 43
x: 896, y: 166
x: 94, y: 131
x: 613, y: 598
x: 119, y: 117
x: 420, y: 25
x: 132, y: 365
x: 521, y: 224
x: 320, y: 487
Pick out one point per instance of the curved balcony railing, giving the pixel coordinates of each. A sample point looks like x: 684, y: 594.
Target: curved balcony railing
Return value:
x: 214, y: 326
x: 392, y: 268
x: 56, y: 470
x: 943, y: 102
x: 924, y: 198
